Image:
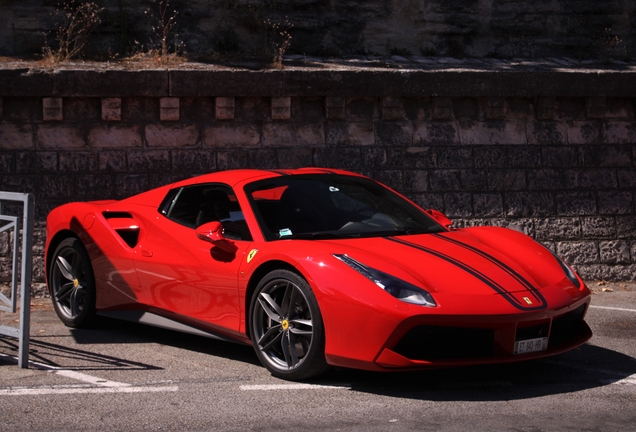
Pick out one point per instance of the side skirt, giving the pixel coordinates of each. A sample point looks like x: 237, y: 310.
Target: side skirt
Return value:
x: 149, y: 318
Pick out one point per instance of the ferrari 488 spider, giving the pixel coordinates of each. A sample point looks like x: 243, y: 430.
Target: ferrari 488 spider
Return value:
x: 314, y: 267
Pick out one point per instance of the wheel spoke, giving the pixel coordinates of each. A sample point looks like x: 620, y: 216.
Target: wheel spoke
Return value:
x: 64, y: 291
x: 288, y: 299
x: 268, y: 334
x: 75, y: 302
x: 65, y: 268
x: 285, y: 346
x: 271, y: 343
x: 76, y: 265
x: 292, y: 349
x: 268, y: 305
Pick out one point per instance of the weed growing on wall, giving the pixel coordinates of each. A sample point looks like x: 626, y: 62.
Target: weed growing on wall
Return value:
x: 278, y: 39
x: 71, y: 36
x: 163, y: 30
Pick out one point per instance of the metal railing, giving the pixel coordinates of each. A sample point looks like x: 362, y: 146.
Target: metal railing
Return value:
x: 9, y: 304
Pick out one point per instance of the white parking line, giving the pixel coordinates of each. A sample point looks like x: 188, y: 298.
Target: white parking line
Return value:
x: 300, y: 386
x: 613, y: 308
x: 94, y: 384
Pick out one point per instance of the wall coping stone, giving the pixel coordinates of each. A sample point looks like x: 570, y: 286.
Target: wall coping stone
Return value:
x: 417, y: 77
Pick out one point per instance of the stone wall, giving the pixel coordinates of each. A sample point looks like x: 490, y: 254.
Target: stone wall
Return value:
x: 550, y: 152
x: 581, y: 29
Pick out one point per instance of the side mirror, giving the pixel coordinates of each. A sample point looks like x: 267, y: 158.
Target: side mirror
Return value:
x: 439, y: 217
x: 213, y: 232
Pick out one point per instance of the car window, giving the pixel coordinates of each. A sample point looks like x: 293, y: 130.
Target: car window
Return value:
x: 333, y: 206
x: 196, y: 205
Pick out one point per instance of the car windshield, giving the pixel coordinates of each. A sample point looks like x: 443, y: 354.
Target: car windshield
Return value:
x: 324, y: 206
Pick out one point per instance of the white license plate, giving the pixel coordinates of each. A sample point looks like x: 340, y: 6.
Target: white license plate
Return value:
x: 531, y: 345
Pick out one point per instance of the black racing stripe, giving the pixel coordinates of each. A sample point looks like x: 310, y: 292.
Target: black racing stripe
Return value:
x: 512, y: 272
x: 474, y: 272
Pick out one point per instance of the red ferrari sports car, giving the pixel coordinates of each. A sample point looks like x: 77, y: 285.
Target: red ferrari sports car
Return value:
x: 314, y: 267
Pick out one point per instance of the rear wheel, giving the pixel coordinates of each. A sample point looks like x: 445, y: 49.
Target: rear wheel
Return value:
x: 72, y: 284
x: 286, y: 327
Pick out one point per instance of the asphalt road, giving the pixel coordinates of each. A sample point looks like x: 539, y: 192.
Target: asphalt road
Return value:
x: 121, y: 376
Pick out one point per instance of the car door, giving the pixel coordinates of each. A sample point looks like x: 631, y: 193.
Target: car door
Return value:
x: 182, y: 274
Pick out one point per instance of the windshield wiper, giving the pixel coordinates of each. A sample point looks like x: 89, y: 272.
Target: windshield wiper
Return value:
x: 320, y: 235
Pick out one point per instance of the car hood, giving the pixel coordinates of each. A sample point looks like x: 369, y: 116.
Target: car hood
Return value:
x: 475, y: 261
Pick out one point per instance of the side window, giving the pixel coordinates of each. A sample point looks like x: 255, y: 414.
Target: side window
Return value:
x: 193, y: 206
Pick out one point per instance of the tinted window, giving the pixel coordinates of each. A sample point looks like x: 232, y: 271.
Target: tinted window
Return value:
x: 193, y: 206
x: 333, y: 206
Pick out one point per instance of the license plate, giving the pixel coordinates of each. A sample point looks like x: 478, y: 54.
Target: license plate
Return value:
x: 531, y: 345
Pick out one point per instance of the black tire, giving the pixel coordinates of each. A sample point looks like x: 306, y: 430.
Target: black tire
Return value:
x: 284, y: 314
x: 72, y: 284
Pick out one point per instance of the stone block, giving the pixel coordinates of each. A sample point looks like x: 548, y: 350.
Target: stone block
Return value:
x: 19, y: 183
x: 82, y: 109
x: 455, y: 157
x: 607, y: 156
x: 348, y: 158
x: 458, y: 205
x: 111, y: 109
x: 172, y: 136
x: 626, y: 227
x: 416, y: 181
x: 544, y: 132
x: 619, y: 132
x: 429, y: 201
x: 576, y: 204
x: 1, y: 107
x: 193, y: 161
x: 297, y: 157
x: 529, y: 204
x: 350, y: 134
x: 490, y: 157
x: 232, y: 159
x: 590, y: 179
x: 56, y: 187
x: 394, y: 134
x: 231, y: 135
x: 392, y: 108
x: 596, y: 107
x: 281, y: 108
x: 442, y: 108
x: 598, y: 227
x: 335, y: 108
x: 445, y: 180
x: 57, y: 136
x: 147, y: 161
x: 473, y: 180
x: 112, y: 161
x: 506, y: 180
x: 374, y: 158
x: 94, y: 187
x: 626, y: 178
x: 263, y: 159
x: 36, y: 162
x: 544, y: 179
x: 140, y: 109
x: 224, y: 108
x: 436, y: 133
x: 52, y: 109
x: 584, y: 132
x: 293, y: 134
x: 546, y: 108
x: 78, y: 162
x: 411, y: 157
x: 128, y: 185
x: 523, y: 156
x: 578, y: 252
x: 115, y: 136
x: 169, y: 109
x: 493, y: 132
x: 496, y: 108
x: 558, y: 229
x: 7, y: 163
x: 488, y: 205
x: 560, y: 157
x: 615, y: 252
x: 16, y: 136
x: 615, y: 202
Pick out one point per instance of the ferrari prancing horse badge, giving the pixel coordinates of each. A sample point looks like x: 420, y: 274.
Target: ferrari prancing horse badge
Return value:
x: 251, y: 254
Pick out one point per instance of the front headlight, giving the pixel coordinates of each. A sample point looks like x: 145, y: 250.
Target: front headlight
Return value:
x: 398, y: 288
x: 569, y: 273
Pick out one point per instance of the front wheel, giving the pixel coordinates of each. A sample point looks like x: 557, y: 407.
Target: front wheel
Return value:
x: 286, y: 327
x: 72, y: 283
